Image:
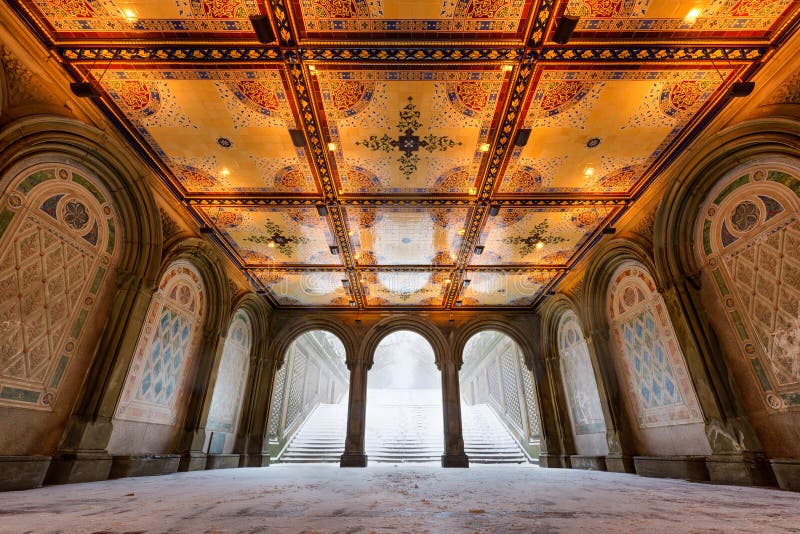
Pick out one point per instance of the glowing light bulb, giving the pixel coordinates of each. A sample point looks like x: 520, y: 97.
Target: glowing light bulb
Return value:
x: 332, y: 147
x: 461, y: 231
x: 540, y: 245
x: 130, y: 14
x: 692, y: 15
x: 588, y: 171
x: 473, y: 191
x: 484, y: 147
x: 271, y: 244
x: 225, y: 172
x: 507, y: 68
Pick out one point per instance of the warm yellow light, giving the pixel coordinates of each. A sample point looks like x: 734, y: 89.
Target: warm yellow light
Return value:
x: 473, y: 191
x: 692, y: 15
x: 461, y: 231
x: 130, y: 14
x: 350, y: 233
x: 312, y: 68
x: 453, y: 257
x: 588, y: 171
x: 485, y: 147
x: 332, y: 147
x: 448, y: 282
x: 271, y: 244
x: 507, y: 68
x: 540, y: 245
x: 225, y: 172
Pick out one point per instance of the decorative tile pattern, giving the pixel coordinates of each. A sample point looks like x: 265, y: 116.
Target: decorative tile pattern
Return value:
x: 408, y: 131
x: 229, y: 387
x: 509, y: 361
x: 647, y: 354
x: 598, y: 131
x: 578, y: 376
x: 272, y: 236
x: 532, y: 406
x: 406, y: 235
x: 748, y: 239
x: 277, y: 402
x: 403, y: 288
x: 57, y: 242
x: 512, y: 236
x: 156, y: 381
x: 217, y: 130
x: 306, y: 288
x: 504, y: 288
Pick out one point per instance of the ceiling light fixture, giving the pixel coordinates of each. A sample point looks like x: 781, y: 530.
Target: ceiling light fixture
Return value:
x: 466, y: 283
x: 447, y: 282
x: 461, y: 231
x: 566, y: 25
x: 479, y: 249
x: 334, y: 249
x: 458, y: 303
x: 473, y: 191
x: 84, y: 90
x: 692, y: 15
x: 271, y: 244
x: 332, y: 147
x: 494, y: 209
x: 588, y: 171
x: 225, y: 172
x: 130, y: 15
x: 523, y: 135
x: 539, y: 245
x: 322, y: 210
x: 507, y: 68
x: 741, y: 89
x: 263, y: 29
x: 298, y: 140
x: 484, y: 147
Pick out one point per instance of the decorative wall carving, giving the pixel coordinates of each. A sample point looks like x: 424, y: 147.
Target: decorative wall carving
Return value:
x: 57, y: 243
x: 788, y: 92
x: 23, y: 86
x: 748, y: 239
x: 167, y: 346
x: 169, y: 226
x: 647, y: 354
x: 578, y: 376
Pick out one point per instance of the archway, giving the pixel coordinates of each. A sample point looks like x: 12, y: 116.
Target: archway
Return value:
x: 404, y: 401
x: 308, y: 412
x: 499, y: 415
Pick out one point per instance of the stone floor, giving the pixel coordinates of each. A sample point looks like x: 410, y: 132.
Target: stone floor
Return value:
x: 405, y: 498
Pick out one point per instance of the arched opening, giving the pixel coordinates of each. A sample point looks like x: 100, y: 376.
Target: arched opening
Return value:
x: 499, y: 413
x: 404, y: 402
x: 308, y: 412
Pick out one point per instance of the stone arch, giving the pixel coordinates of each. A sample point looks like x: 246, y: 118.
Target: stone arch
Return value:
x: 499, y: 324
x: 393, y: 324
x: 294, y: 329
x: 40, y: 141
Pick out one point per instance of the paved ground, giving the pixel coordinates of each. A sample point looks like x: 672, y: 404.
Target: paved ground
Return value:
x: 386, y: 498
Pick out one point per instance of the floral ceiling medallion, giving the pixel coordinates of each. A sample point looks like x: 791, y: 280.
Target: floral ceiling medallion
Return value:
x: 536, y: 240
x: 274, y: 238
x: 408, y: 142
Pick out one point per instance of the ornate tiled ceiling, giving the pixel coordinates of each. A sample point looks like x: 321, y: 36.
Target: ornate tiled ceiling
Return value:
x: 359, y: 159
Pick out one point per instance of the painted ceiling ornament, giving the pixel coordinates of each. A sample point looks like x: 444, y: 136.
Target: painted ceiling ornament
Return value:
x: 408, y: 142
x: 537, y: 236
x: 274, y: 237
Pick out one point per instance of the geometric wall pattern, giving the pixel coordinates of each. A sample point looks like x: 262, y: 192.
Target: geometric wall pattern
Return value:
x: 231, y: 376
x: 748, y: 239
x: 578, y: 376
x: 57, y: 242
x: 647, y: 354
x: 166, y: 348
x: 404, y: 123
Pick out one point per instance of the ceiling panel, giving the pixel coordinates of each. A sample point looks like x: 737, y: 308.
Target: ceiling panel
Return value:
x: 678, y: 18
x: 538, y: 236
x: 404, y: 288
x: 429, y: 20
x: 216, y: 130
x: 402, y: 235
x: 304, y: 288
x: 409, y: 131
x: 503, y: 288
x: 598, y: 131
x: 274, y: 236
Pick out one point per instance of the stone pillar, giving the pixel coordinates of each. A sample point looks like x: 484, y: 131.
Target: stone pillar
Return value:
x: 560, y: 406
x: 252, y: 440
x: 354, y: 455
x: 454, y: 455
x: 551, y: 453
x: 621, y: 448
x: 193, y: 437
x: 82, y: 455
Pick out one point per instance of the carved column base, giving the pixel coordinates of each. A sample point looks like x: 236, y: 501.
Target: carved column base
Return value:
x: 260, y: 459
x: 193, y: 461
x: 22, y: 472
x: 353, y: 459
x: 79, y: 466
x: 787, y: 473
x: 740, y: 470
x: 455, y: 460
x: 591, y: 463
x: 620, y: 463
x: 553, y: 461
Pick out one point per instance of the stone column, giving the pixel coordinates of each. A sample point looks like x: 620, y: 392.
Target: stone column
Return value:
x: 454, y: 455
x: 560, y: 407
x: 621, y: 448
x: 354, y: 455
x: 193, y: 437
x: 82, y: 455
x: 551, y: 452
x: 252, y: 441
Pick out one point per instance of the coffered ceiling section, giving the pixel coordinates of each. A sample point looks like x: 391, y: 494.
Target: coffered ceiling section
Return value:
x: 598, y: 131
x: 409, y: 131
x: 419, y: 154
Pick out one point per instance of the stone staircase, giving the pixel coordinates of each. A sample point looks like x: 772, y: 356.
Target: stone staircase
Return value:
x: 403, y: 426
